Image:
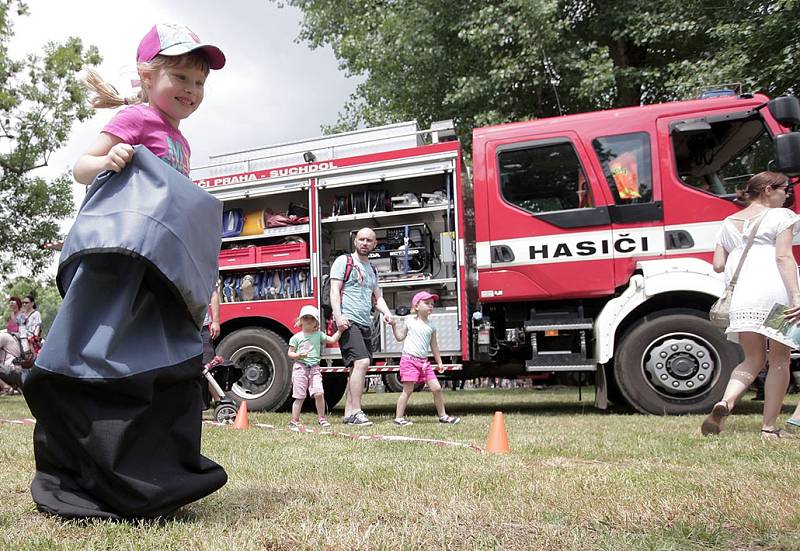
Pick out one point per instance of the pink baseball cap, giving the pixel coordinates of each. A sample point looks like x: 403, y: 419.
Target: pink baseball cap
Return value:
x: 423, y: 295
x: 172, y: 39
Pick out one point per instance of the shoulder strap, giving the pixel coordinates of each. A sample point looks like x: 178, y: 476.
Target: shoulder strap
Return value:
x: 348, y: 269
x: 750, y: 239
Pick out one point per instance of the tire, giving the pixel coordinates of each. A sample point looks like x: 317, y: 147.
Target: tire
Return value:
x: 225, y: 413
x: 391, y: 381
x: 674, y: 364
x: 266, y: 382
x: 335, y: 386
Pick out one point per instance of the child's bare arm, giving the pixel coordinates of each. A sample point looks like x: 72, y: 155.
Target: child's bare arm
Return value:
x: 436, y: 354
x: 107, y: 153
x: 330, y: 339
x: 400, y: 332
x: 294, y: 354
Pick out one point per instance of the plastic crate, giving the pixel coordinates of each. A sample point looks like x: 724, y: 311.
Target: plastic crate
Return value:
x: 237, y: 257
x: 282, y: 253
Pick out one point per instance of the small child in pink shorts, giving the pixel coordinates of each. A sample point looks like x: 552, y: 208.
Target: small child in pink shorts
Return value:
x: 305, y: 348
x: 420, y: 339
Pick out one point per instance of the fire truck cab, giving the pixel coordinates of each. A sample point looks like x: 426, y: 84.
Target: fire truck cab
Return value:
x: 579, y: 243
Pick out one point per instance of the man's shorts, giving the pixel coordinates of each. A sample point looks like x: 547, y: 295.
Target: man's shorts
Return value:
x: 355, y: 344
x: 416, y: 370
x: 306, y: 380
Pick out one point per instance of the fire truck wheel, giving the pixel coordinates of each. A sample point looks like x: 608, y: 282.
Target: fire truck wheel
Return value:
x: 391, y: 382
x: 674, y: 364
x: 266, y: 381
x: 335, y: 386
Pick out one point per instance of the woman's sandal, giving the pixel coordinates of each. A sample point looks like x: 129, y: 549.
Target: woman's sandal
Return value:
x: 775, y: 434
x: 712, y: 424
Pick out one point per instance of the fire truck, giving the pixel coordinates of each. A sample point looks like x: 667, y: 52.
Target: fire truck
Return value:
x: 579, y: 243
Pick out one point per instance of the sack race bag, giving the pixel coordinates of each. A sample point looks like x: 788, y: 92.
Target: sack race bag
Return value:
x: 720, y: 312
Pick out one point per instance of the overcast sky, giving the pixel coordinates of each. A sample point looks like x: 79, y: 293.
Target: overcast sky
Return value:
x: 271, y: 90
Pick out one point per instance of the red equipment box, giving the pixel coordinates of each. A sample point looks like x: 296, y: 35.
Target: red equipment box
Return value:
x: 282, y: 253
x: 237, y: 257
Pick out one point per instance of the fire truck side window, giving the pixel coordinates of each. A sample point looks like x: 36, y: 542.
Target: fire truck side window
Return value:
x: 719, y: 156
x: 627, y: 166
x: 546, y: 178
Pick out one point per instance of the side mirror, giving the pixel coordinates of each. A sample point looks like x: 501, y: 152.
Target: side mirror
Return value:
x: 787, y: 153
x: 785, y: 110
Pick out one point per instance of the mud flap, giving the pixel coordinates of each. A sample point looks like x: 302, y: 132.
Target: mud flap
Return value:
x: 600, y: 388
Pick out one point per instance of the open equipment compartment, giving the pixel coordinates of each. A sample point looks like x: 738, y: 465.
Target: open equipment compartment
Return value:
x: 412, y: 214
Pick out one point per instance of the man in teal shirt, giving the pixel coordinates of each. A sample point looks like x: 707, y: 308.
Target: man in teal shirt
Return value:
x: 351, y: 302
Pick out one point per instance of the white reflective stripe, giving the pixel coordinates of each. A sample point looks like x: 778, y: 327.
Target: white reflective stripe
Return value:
x: 703, y: 234
x: 575, y: 247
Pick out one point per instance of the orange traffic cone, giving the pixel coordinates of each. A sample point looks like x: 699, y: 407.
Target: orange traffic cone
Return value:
x: 498, y: 437
x: 242, y: 417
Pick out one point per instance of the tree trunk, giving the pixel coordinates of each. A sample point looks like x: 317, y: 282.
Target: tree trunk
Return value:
x: 627, y: 58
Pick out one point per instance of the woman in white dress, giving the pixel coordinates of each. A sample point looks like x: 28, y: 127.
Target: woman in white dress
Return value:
x: 769, y: 275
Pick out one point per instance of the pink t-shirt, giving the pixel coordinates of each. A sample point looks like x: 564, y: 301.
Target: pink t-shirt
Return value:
x: 144, y: 125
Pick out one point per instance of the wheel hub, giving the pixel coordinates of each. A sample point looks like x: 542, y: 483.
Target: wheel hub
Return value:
x: 258, y: 372
x: 680, y: 364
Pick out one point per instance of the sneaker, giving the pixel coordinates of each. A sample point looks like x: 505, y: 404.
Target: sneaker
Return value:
x: 359, y: 419
x: 295, y: 425
x: 449, y: 419
x: 402, y: 422
x: 323, y: 422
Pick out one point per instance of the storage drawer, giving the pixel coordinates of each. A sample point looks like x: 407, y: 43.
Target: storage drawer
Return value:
x: 282, y: 253
x: 237, y: 257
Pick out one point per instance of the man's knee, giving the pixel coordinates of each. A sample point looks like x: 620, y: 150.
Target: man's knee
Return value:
x: 361, y: 365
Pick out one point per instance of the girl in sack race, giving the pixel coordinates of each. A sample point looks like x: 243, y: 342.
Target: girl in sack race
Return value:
x: 754, y: 250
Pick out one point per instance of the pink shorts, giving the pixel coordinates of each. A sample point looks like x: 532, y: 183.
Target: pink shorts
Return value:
x: 306, y: 380
x: 416, y: 370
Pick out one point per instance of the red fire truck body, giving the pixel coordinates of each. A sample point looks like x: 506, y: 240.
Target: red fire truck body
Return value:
x: 579, y: 244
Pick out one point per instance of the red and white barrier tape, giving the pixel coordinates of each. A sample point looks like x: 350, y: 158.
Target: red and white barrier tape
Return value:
x: 18, y: 421
x: 362, y: 437
x: 359, y: 437
x: 383, y: 369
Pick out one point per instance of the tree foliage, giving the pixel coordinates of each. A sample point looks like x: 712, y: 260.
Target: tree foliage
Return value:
x: 40, y: 98
x: 488, y: 61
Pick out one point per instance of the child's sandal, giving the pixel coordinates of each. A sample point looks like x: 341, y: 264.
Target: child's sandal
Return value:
x: 449, y: 419
x: 402, y: 422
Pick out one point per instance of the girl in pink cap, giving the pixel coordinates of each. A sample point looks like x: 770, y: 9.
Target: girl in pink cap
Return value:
x: 173, y: 65
x: 419, y: 340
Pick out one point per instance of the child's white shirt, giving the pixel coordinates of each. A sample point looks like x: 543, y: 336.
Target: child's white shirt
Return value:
x: 418, y: 339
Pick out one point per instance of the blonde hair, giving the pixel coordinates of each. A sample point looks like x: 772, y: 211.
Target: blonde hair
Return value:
x: 299, y: 322
x: 103, y: 95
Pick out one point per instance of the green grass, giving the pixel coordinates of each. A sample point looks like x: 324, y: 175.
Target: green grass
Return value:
x: 577, y: 478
